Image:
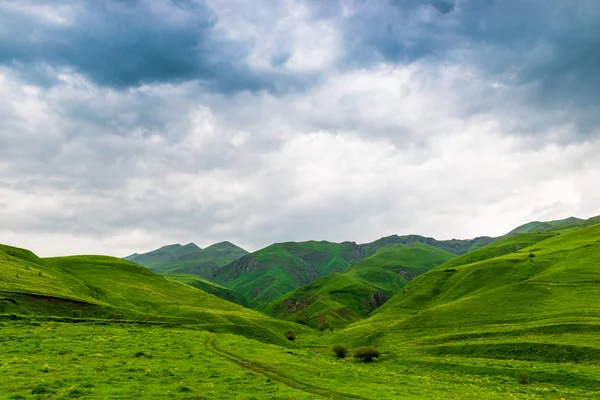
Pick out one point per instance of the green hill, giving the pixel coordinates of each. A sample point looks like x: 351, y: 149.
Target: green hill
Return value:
x: 277, y: 269
x: 547, y: 284
x: 339, y: 298
x: 100, y: 287
x: 209, y: 286
x: 162, y: 255
x: 456, y: 246
x: 540, y: 226
x: 189, y: 259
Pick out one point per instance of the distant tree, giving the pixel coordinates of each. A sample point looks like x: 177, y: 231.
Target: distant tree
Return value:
x: 531, y: 255
x: 522, y: 378
x: 340, y: 351
x: 290, y: 335
x: 367, y: 354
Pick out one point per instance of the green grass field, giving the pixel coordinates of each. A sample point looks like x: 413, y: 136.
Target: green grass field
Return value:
x: 518, y: 318
x: 50, y: 360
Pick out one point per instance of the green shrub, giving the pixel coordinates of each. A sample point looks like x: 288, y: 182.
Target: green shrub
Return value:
x: 340, y: 351
x: 367, y: 354
x: 290, y: 335
x: 522, y: 378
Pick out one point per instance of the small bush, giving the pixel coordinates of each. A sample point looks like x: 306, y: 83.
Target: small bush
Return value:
x: 367, y: 354
x: 290, y: 335
x: 142, y: 354
x: 340, y: 351
x: 531, y: 255
x: 522, y: 378
x: 41, y: 390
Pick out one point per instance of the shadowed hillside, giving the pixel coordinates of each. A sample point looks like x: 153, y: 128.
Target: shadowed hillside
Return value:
x: 340, y: 298
x: 189, y: 259
x: 277, y: 269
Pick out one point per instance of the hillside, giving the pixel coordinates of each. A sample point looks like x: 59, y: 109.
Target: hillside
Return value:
x: 456, y: 246
x: 161, y: 255
x: 209, y: 286
x: 547, y: 286
x: 337, y: 299
x: 561, y: 224
x: 111, y: 288
x: 277, y: 269
x: 189, y: 259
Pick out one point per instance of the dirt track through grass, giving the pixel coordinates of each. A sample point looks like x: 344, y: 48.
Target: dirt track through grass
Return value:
x: 210, y: 345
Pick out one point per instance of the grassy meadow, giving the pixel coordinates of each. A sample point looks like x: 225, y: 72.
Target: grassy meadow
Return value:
x: 518, y: 318
x: 44, y: 359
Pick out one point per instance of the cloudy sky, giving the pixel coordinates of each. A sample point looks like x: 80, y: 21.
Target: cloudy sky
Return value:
x: 127, y: 125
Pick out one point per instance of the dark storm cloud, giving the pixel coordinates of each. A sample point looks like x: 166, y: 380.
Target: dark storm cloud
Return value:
x: 123, y: 44
x: 552, y: 46
x: 131, y: 124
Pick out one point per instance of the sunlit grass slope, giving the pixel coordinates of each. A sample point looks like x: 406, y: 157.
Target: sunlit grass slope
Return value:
x: 49, y: 360
x: 557, y: 225
x: 111, y: 288
x: 209, y: 286
x: 277, y: 269
x: 549, y: 286
x: 340, y: 298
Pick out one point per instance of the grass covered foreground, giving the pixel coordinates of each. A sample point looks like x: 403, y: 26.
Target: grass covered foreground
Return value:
x: 518, y: 318
x: 53, y: 360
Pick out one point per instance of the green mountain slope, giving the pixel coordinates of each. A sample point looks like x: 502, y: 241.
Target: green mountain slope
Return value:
x: 209, y: 286
x: 189, y: 259
x: 159, y: 256
x: 112, y: 288
x: 337, y: 299
x: 277, y: 269
x: 541, y: 226
x: 549, y: 286
x: 456, y: 246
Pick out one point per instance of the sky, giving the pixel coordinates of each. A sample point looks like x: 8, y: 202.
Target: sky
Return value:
x: 128, y: 125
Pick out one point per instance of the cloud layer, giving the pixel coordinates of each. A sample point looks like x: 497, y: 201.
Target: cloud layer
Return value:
x: 130, y: 125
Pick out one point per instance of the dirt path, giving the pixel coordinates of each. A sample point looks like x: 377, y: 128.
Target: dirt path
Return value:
x: 210, y: 345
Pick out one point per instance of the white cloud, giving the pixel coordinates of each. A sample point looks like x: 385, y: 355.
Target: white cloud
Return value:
x: 439, y: 149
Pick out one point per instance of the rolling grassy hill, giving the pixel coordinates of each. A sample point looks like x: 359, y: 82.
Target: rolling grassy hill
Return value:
x: 269, y: 273
x: 557, y: 225
x: 340, y: 298
x: 189, y: 259
x: 100, y: 287
x: 519, y: 318
x: 277, y: 269
x: 209, y: 286
x: 545, y: 285
x: 456, y: 246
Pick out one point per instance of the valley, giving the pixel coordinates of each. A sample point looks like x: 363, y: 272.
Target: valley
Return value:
x: 511, y: 317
